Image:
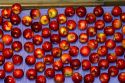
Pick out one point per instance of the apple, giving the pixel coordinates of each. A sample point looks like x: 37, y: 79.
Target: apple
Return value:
x: 2, y: 60
x: 110, y: 44
x: 47, y: 46
x: 7, y: 26
x: 120, y: 64
x: 6, y: 13
x: 37, y: 39
x: 52, y: 12
x: 122, y: 17
x: 107, y: 17
x: 16, y: 46
x: 69, y: 11
x: 26, y: 20
x: 1, y: 20
x: 1, y: 33
x: 98, y: 11
x: 46, y: 32
x: 77, y: 77
x: 17, y: 59
x: 101, y: 37
x: 104, y: 77
x: 99, y: 24
x: 59, y: 78
x: 103, y: 64
x: 83, y: 38
x: 86, y: 64
x: 95, y: 71
x: 64, y: 45
x: 61, y: 19
x: 30, y: 60
x: 82, y: 24
x: 29, y: 47
x: 16, y: 32
x: 67, y: 71
x: 2, y: 74
x: 55, y: 38
x: 28, y: 33
x: 15, y: 19
x: 123, y: 43
x: 102, y: 50
x: 18, y: 73
x: 31, y: 74
x: 44, y: 19
x: 54, y: 25
x: 118, y: 37
x: 88, y: 78
x: 66, y: 58
x: 119, y: 50
x: 8, y: 66
x: 36, y: 27
x: 113, y: 71
x: 40, y: 66
x: 81, y: 11
x: 116, y: 11
x: 75, y: 64
x: 40, y: 79
x: 72, y: 37
x: 109, y: 30
x: 112, y: 57
x: 35, y: 13
x: 1, y: 46
x: 71, y: 24
x: 91, y: 31
x: 9, y: 79
x: 123, y: 30
x: 58, y: 65
x: 48, y: 59
x: 92, y: 44
x: 121, y: 77
x: 90, y: 18
x: 63, y: 31
x: 49, y: 72
x: 116, y: 24
x: 7, y: 39
x: 7, y: 53
x: 56, y: 52
x: 39, y: 53
x: 16, y: 8
x: 85, y: 50
x: 94, y: 57
x: 73, y: 50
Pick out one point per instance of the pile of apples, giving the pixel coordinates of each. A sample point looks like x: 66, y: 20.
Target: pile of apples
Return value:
x: 61, y: 32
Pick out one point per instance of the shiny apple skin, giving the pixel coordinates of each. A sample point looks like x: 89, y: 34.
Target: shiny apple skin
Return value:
x: 63, y: 31
x: 9, y: 79
x: 58, y: 65
x: 1, y: 33
x: 91, y: 31
x: 69, y: 11
x: 112, y: 57
x: 1, y: 20
x: 103, y: 64
x: 123, y: 43
x: 7, y: 39
x: 99, y: 24
x: 75, y: 64
x: 39, y: 53
x: 18, y: 73
x: 83, y: 38
x: 72, y: 37
x: 81, y: 11
x: 82, y: 24
x: 40, y: 79
x: 49, y: 72
x: 37, y: 39
x: 95, y: 71
x: 16, y: 46
x: 119, y: 50
x: 6, y: 13
x: 46, y: 32
x: 66, y: 58
x: 44, y: 19
x: 56, y: 52
x: 59, y: 78
x: 27, y: 20
x: 121, y: 77
x: 113, y: 71
x: 40, y: 66
x: 36, y: 27
x: 2, y: 74
x: 17, y: 59
x: 122, y: 17
x: 7, y: 26
x: 116, y: 23
x: 104, y: 77
x: 92, y: 44
x: 101, y: 37
x: 102, y: 50
x: 61, y: 19
x: 94, y: 57
x: 1, y: 46
x: 35, y: 13
x: 86, y: 64
x: 77, y: 77
x: 28, y: 33
x: 16, y: 8
x: 73, y: 50
x: 48, y: 59
x: 90, y: 18
x: 7, y: 53
x: 29, y: 47
x: 71, y: 24
x: 116, y: 11
x: 123, y: 30
x: 109, y: 30
x: 107, y: 17
x: 31, y: 74
x: 8, y: 67
x: 85, y: 51
x: 67, y: 71
x: 30, y: 60
x: 2, y: 60
x: 88, y: 78
x: 47, y: 46
x: 16, y: 32
x: 118, y: 37
x: 64, y: 45
x: 98, y: 11
x: 15, y: 19
x: 55, y: 38
x: 120, y: 64
x: 110, y: 44
x: 52, y: 12
x: 54, y: 25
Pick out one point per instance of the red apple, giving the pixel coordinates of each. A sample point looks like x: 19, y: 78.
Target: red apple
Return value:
x: 110, y: 44
x: 72, y: 37
x: 118, y: 37
x: 116, y: 24
x: 121, y: 77
x: 1, y: 20
x: 31, y: 74
x: 123, y: 30
x: 67, y: 71
x: 1, y: 33
x: 91, y: 31
x: 9, y: 79
x: 95, y: 71
x: 116, y: 11
x: 113, y: 71
x: 7, y: 53
x: 2, y: 60
x: 17, y: 59
x: 59, y: 78
x: 122, y: 17
x: 103, y: 64
x: 88, y: 78
x: 54, y: 25
x: 7, y: 26
x: 44, y: 19
x: 69, y: 11
x: 92, y: 44
x: 29, y: 47
x: 73, y: 50
x: 82, y: 24
x: 16, y: 32
x: 56, y: 52
x: 40, y: 79
x: 119, y: 50
x: 77, y: 77
x: 81, y: 11
x: 1, y: 46
x: 107, y: 17
x: 52, y: 12
x: 98, y: 11
x: 2, y: 74
x: 71, y: 24
x: 99, y: 24
x: 83, y: 38
x: 7, y: 39
x: 28, y: 33
x: 85, y: 50
x: 16, y: 46
x: 46, y: 32
x: 15, y: 19
x: 123, y: 43
x: 35, y: 13
x: 39, y: 53
x: 104, y: 77
x: 102, y: 50
x: 18, y: 73
x: 40, y: 66
x: 26, y: 20
x: 64, y: 45
x: 47, y: 46
x: 58, y: 65
x: 94, y: 57
x: 55, y: 38
x: 112, y: 57
x: 6, y: 13
x: 8, y: 66
x: 120, y: 64
x: 86, y: 64
x: 66, y: 58
x: 30, y: 60
x: 63, y: 31
x: 49, y: 72
x: 90, y: 18
x: 16, y: 8
x: 36, y: 26
x: 61, y: 19
x: 109, y: 30
x: 75, y: 64
x: 48, y: 59
x: 37, y: 39
x: 101, y: 37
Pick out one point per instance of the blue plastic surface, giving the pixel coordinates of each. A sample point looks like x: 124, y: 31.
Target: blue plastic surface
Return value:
x: 67, y: 79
